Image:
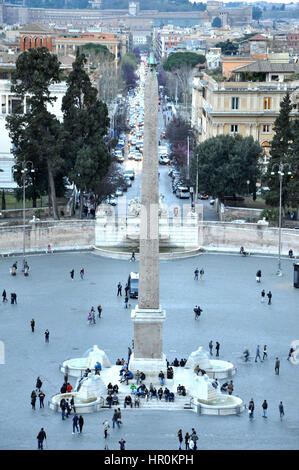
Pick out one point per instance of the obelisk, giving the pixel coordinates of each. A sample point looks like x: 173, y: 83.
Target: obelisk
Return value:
x: 148, y: 317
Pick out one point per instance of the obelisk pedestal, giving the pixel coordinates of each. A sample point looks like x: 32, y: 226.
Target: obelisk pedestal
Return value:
x: 148, y: 317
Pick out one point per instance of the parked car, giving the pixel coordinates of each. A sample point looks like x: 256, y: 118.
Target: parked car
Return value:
x: 133, y: 284
x: 130, y: 174
x: 182, y: 192
x: 204, y: 196
x: 118, y: 192
x: 164, y: 160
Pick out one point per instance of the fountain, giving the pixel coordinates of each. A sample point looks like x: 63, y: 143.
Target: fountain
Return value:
x: 88, y: 395
x: 76, y: 367
x: 214, y: 368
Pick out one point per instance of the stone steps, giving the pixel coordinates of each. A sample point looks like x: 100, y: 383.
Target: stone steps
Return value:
x: 180, y: 403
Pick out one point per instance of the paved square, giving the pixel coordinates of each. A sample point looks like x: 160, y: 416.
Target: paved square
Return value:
x: 232, y: 314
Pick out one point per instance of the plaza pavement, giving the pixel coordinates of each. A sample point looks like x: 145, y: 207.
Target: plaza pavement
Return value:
x: 232, y: 314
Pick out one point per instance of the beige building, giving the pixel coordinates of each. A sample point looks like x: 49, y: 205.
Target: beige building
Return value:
x: 246, y: 108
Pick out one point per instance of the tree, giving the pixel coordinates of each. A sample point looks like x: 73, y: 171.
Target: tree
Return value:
x: 228, y: 47
x: 256, y: 13
x: 37, y: 135
x: 3, y: 199
x: 177, y: 60
x: 129, y: 63
x: 216, y: 23
x: 293, y: 181
x: 281, y: 146
x: 85, y: 122
x: 225, y: 164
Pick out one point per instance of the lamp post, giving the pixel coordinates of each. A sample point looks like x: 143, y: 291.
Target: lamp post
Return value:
x: 26, y: 168
x: 280, y: 173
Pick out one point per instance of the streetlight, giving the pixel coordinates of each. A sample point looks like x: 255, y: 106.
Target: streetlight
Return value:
x: 280, y: 173
x: 26, y: 168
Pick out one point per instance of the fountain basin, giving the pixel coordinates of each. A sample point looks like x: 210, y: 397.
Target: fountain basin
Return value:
x: 76, y: 367
x: 220, y: 369
x: 82, y: 405
x: 222, y: 406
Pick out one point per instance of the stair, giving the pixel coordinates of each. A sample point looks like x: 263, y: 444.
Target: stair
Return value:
x: 180, y: 403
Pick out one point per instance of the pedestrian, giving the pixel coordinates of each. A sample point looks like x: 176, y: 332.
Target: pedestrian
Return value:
x: 93, y: 315
x: 281, y: 410
x: 265, y: 354
x: 38, y: 383
x: 217, y: 347
x: 63, y: 408
x: 258, y: 275
x: 126, y: 301
x: 41, y: 397
x: 75, y: 423
x: 40, y: 439
x: 269, y: 295
x: 196, y: 272
x: 47, y: 334
x: 251, y: 409
x: 4, y: 298
x: 277, y: 365
x: 13, y: 298
x: 82, y: 273
x: 89, y: 318
x: 119, y: 421
x: 211, y: 347
x: 32, y: 324
x: 161, y: 377
x: 133, y: 256
x: 127, y: 289
x: 265, y: 408
x: 99, y: 310
x: 115, y: 419
x: 122, y: 444
x: 72, y: 403
x: 119, y: 288
x: 194, y: 438
x: 257, y: 353
x: 263, y: 293
x: 201, y: 272
x: 290, y: 353
x: 81, y: 423
x: 72, y: 273
x: 230, y: 387
x: 187, y: 437
x: 180, y: 438
x: 33, y: 399
x: 106, y: 427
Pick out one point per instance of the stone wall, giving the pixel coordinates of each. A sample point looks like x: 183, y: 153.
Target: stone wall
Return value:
x: 73, y: 234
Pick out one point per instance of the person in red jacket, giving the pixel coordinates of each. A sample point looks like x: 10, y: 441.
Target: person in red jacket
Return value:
x: 69, y: 388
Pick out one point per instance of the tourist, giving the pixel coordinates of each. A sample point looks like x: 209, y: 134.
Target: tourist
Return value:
x: 63, y: 408
x: 258, y: 275
x: 161, y: 377
x: 47, y: 334
x: 230, y: 387
x: 133, y: 256
x: 136, y: 402
x: 68, y: 407
x: 72, y: 274
x: 194, y: 438
x: 75, y: 423
x: 217, y: 347
x: 160, y: 393
x: 119, y: 288
x: 201, y: 272
x: 290, y: 353
x: 69, y: 388
x: 180, y: 438
x: 89, y: 318
x: 82, y: 273
x: 171, y: 397
x: 281, y: 410
x: 13, y: 298
x: 81, y: 423
x: 211, y: 347
x: 4, y: 298
x: 265, y: 407
x: 115, y: 419
x: 187, y: 438
x: 265, y: 354
x: 32, y: 324
x: 106, y: 427
x: 257, y: 353
x: 119, y: 421
x: 41, y: 396
x: 263, y: 293
x: 277, y: 365
x: 40, y: 439
x: 127, y: 290
x: 126, y: 301
x: 72, y: 403
x: 122, y: 444
x: 128, y: 401
x: 49, y: 249
x: 246, y: 355
x: 166, y: 394
x: 269, y: 295
x: 33, y: 399
x: 99, y: 310
x: 38, y: 383
x: 251, y: 409
x: 196, y: 272
x: 291, y: 254
x: 137, y: 377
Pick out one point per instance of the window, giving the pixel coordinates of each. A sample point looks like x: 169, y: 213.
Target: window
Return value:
x: 234, y: 128
x: 267, y: 103
x: 235, y: 103
x: 266, y: 128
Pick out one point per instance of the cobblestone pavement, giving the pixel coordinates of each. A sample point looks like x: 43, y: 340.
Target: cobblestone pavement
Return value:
x: 232, y: 314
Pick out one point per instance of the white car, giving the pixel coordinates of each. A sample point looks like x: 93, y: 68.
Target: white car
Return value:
x: 118, y: 192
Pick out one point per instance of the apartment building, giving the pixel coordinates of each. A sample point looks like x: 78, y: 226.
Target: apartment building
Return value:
x: 232, y: 107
